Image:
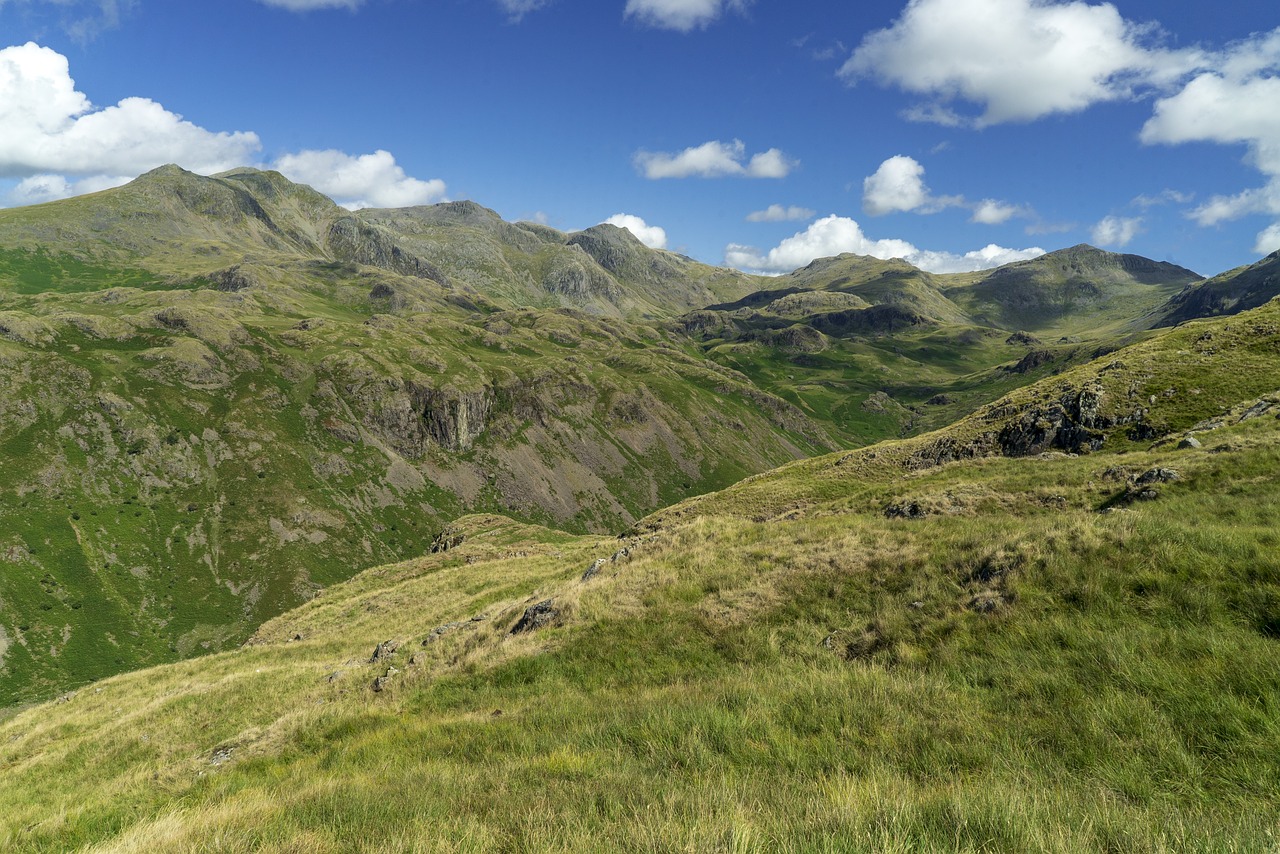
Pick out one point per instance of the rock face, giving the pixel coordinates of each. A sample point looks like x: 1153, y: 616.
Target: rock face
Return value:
x: 1031, y: 361
x: 232, y: 279
x: 1072, y: 424
x: 351, y: 240
x: 878, y: 319
x: 1229, y: 293
x: 1075, y: 423
x: 455, y: 419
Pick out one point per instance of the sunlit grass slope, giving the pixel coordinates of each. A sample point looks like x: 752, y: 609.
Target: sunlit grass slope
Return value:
x: 1047, y: 653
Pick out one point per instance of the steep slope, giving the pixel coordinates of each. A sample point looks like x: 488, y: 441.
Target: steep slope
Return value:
x: 222, y: 394
x: 864, y: 652
x: 1176, y: 383
x: 1230, y: 293
x: 171, y: 225
x: 604, y: 269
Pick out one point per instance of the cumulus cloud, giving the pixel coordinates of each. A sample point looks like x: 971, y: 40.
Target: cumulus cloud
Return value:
x: 834, y: 235
x: 680, y: 15
x: 1268, y: 240
x: 650, y: 235
x: 714, y: 159
x: 779, y: 213
x: 364, y: 181
x: 1018, y: 59
x: 993, y: 212
x: 1232, y: 104
x: 1117, y: 231
x: 52, y: 129
x: 899, y: 186
x: 49, y: 188
x: 309, y: 5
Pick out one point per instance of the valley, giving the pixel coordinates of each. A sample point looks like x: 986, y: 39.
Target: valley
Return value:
x: 417, y: 529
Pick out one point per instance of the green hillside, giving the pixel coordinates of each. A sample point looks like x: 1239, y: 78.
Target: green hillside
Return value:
x: 225, y: 394
x: 880, y: 349
x: 1049, y: 627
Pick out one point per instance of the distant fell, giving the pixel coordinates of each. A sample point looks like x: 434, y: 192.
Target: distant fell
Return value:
x: 1229, y: 293
x: 1069, y: 287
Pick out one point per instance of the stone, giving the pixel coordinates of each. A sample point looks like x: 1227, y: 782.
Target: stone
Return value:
x: 384, y: 651
x: 536, y: 617
x: 380, y: 684
x: 1189, y: 442
x: 446, y: 540
x: 594, y: 569
x: 1157, y: 475
x: 905, y: 510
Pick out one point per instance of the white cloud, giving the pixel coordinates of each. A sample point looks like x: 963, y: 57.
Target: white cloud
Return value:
x: 714, y: 159
x: 986, y: 258
x: 1268, y: 240
x: 517, y: 9
x: 1235, y: 103
x: 778, y: 213
x: 1117, y: 231
x: 50, y: 128
x: 650, y: 235
x: 1019, y: 59
x: 898, y: 185
x: 680, y: 15
x: 1164, y: 197
x: 309, y: 5
x: 367, y: 180
x: 834, y: 235
x: 49, y: 188
x: 1218, y: 209
x: 993, y: 212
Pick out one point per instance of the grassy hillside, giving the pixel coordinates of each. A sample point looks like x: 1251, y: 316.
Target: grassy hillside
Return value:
x: 1230, y: 293
x: 923, y: 645
x: 880, y: 349
x: 223, y: 394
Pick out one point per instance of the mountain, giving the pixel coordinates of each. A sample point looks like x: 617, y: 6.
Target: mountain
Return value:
x: 881, y: 349
x: 225, y: 394
x: 1230, y: 293
x: 1050, y: 626
x: 1070, y: 291
x: 171, y: 223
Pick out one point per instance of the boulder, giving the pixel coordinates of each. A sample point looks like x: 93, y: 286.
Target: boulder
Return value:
x: 536, y: 617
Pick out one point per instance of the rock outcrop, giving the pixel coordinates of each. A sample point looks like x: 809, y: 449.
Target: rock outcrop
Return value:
x: 349, y: 239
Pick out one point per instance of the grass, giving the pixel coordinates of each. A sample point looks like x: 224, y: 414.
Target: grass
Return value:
x: 1038, y: 661
x: 830, y: 681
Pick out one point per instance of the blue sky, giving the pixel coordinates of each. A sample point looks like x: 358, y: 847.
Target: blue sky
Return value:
x: 956, y: 133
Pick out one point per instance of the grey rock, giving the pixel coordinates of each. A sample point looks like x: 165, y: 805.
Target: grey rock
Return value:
x: 594, y: 569
x: 1157, y: 475
x: 384, y: 651
x: 536, y: 617
x: 380, y: 684
x: 905, y: 510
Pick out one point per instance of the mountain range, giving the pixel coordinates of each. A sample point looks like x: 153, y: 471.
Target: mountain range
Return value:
x: 519, y: 510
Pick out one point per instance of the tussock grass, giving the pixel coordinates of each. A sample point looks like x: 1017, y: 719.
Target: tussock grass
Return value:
x: 1007, y: 673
